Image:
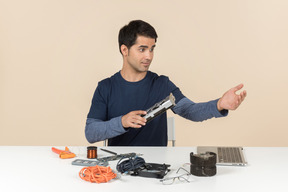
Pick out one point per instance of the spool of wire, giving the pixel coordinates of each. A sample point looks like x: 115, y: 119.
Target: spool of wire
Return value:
x: 91, y: 152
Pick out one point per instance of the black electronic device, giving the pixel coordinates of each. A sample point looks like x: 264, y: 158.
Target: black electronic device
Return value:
x: 136, y: 166
x: 152, y: 170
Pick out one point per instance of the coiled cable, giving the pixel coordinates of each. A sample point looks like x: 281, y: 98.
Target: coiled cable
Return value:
x: 131, y: 164
x: 97, y: 174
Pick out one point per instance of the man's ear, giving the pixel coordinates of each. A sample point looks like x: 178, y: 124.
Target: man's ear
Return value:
x: 124, y: 50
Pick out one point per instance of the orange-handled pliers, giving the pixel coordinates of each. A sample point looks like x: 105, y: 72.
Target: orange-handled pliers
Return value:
x: 64, y: 154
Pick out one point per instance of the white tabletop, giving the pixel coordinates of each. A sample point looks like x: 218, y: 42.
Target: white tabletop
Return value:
x: 37, y: 168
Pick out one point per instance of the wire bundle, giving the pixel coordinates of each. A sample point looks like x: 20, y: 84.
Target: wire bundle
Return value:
x: 130, y: 164
x: 97, y: 174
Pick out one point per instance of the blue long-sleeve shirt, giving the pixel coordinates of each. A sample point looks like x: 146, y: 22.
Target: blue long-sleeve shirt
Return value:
x: 115, y: 97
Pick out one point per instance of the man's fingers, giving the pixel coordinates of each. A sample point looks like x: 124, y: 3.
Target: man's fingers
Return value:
x: 140, y: 112
x: 242, y: 95
x: 139, y: 120
x: 240, y: 98
x: 134, y: 125
x: 134, y: 119
x: 238, y: 87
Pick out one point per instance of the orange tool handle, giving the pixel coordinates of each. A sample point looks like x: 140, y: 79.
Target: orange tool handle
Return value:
x: 63, y: 154
x: 66, y: 155
x: 58, y: 151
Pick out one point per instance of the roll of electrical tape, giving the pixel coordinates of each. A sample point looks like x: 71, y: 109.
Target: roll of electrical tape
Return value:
x: 203, y: 164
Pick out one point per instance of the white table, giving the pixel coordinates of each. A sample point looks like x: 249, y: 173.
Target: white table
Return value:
x: 37, y: 168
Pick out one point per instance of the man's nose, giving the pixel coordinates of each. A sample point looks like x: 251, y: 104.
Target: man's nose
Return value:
x: 149, y: 55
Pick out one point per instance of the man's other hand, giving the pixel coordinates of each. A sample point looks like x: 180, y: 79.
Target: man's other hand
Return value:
x: 230, y: 100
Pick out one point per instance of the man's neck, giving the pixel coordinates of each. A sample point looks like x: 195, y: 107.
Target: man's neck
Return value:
x: 132, y: 76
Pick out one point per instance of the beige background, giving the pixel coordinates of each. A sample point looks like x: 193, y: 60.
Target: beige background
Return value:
x: 53, y: 53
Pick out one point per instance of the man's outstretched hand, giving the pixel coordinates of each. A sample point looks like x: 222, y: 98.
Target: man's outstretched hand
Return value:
x: 230, y: 100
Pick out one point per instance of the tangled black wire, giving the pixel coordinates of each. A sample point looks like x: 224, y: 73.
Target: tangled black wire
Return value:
x: 131, y: 164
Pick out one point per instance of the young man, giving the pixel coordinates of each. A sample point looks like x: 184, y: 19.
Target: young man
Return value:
x: 119, y: 101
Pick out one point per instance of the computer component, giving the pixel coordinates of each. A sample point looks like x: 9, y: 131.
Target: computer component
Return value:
x: 87, y: 163
x: 160, y: 108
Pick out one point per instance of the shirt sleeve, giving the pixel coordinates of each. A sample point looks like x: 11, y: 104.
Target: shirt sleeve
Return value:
x: 175, y: 91
x: 98, y: 127
x: 198, y: 111
x: 98, y: 109
x: 98, y: 130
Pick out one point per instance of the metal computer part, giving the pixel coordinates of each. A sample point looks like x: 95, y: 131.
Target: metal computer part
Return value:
x: 160, y: 107
x: 88, y: 163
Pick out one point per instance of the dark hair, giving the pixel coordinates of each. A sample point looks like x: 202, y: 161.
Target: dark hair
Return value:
x: 128, y: 34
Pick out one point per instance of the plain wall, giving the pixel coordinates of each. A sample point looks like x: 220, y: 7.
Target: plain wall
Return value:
x: 53, y: 53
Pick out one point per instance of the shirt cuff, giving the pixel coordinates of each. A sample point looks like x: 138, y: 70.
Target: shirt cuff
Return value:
x: 222, y: 113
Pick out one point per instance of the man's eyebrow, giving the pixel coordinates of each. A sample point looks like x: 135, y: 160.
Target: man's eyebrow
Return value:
x: 145, y: 46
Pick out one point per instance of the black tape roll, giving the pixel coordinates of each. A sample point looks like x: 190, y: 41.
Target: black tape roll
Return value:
x: 203, y: 164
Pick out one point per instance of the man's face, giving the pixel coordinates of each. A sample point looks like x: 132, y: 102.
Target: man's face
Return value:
x: 140, y: 55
